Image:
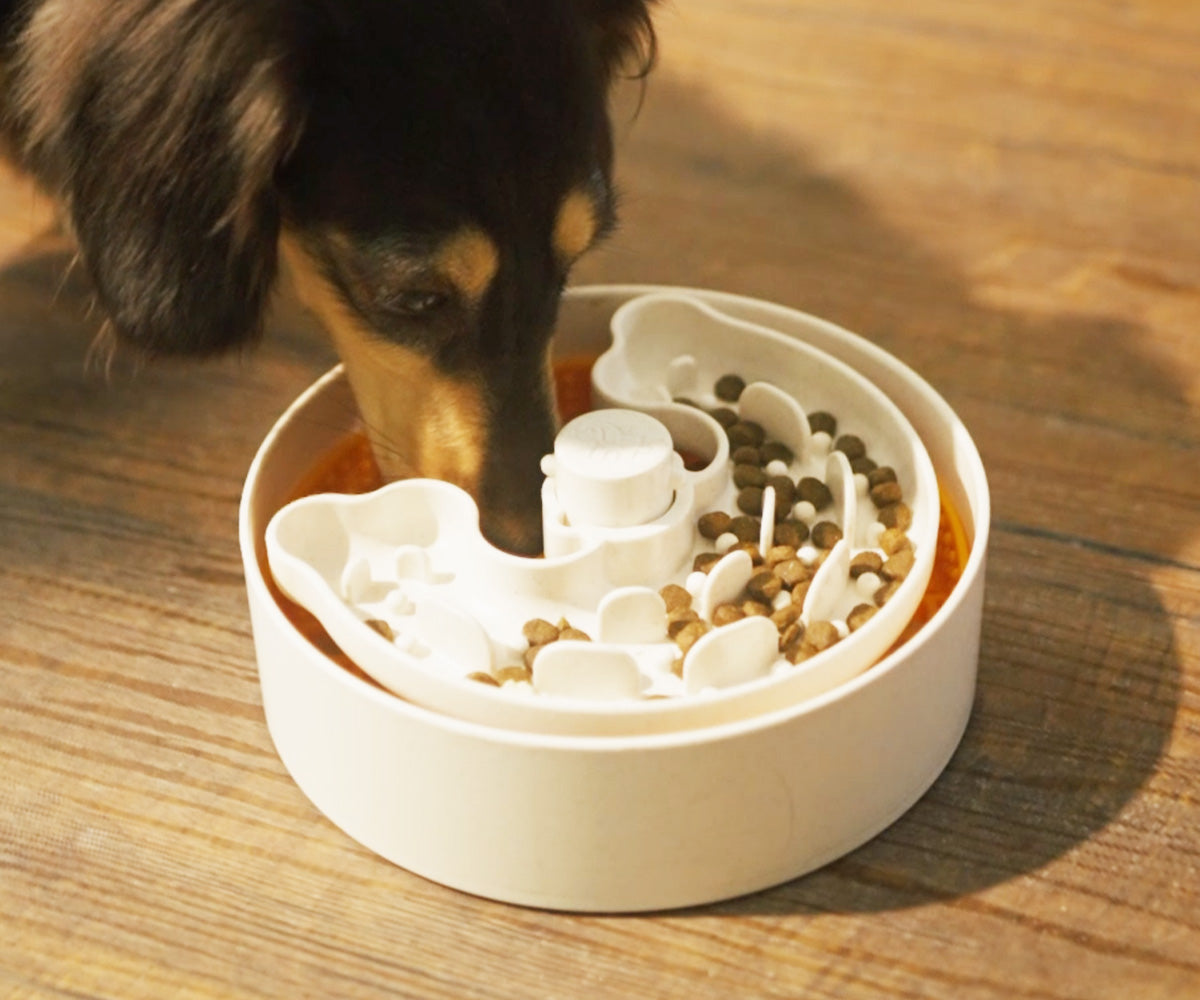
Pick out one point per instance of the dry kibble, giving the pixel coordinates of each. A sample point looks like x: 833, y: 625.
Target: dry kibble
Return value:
x: 810, y: 488
x: 679, y: 619
x: 382, y: 627
x: 574, y: 633
x: 822, y: 420
x: 850, y: 445
x: 750, y: 500
x: 705, y: 561
x: 745, y: 432
x: 727, y: 614
x: 729, y: 388
x: 884, y: 593
x: 898, y: 566
x: 764, y: 586
x: 800, y: 591
x: 746, y: 455
x: 777, y: 554
x: 897, y: 515
x: 675, y: 597
x: 483, y: 677
x: 881, y: 474
x: 865, y: 562
x: 859, y: 615
x: 826, y: 534
x: 749, y: 475
x: 538, y: 632
x: 531, y: 654
x: 863, y: 465
x: 785, y: 494
x: 790, y: 635
x: 751, y: 549
x: 745, y: 528
x: 821, y: 635
x: 756, y: 609
x: 792, y: 572
x: 724, y: 416
x: 892, y: 540
x: 791, y: 532
x: 713, y: 524
x: 776, y: 451
x: 785, y: 616
x: 886, y: 493
x: 686, y: 637
x: 514, y: 673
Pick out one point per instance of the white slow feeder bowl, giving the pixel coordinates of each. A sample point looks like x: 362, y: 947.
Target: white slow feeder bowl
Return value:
x: 622, y: 822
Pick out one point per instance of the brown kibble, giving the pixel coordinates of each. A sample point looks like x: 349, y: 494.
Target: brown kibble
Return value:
x: 822, y: 420
x: 792, y: 572
x: 881, y: 474
x: 826, y: 534
x: 515, y: 672
x: 898, y: 566
x: 677, y: 667
x: 574, y: 633
x: 382, y: 627
x: 777, y: 554
x: 865, y: 562
x: 724, y: 416
x: 678, y: 620
x: 531, y: 654
x: 746, y: 455
x: 859, y: 615
x: 745, y: 432
x: 538, y: 632
x: 893, y: 540
x: 483, y: 677
x: 675, y: 597
x: 810, y: 488
x: 777, y: 451
x: 756, y: 609
x: 764, y: 586
x: 745, y: 528
x: 686, y: 637
x: 885, y: 593
x: 785, y: 494
x: 729, y: 388
x: 782, y: 617
x: 727, y: 614
x: 897, y: 515
x: 713, y: 524
x: 850, y: 445
x: 863, y: 465
x: 751, y: 549
x: 705, y: 561
x: 800, y: 591
x: 798, y: 650
x: 821, y: 635
x: 791, y: 532
x: 886, y: 493
x: 749, y: 475
x: 750, y: 500
x: 790, y: 634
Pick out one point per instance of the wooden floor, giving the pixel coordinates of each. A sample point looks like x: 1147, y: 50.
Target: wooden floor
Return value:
x: 1007, y: 196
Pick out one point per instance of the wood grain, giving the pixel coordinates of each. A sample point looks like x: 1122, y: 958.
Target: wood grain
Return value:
x: 1005, y: 196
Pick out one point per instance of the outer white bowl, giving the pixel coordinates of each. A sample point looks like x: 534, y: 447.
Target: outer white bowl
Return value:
x: 621, y: 823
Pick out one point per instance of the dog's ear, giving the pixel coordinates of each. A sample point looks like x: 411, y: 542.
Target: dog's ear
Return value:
x: 624, y: 34
x: 160, y: 127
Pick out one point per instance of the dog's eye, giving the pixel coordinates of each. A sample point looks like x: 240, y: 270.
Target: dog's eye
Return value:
x: 418, y: 302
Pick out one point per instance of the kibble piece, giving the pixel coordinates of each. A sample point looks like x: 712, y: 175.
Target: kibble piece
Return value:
x: 777, y: 451
x: 538, y: 632
x: 751, y: 549
x: 675, y: 597
x: 859, y: 615
x: 862, y: 465
x: 886, y: 493
x: 686, y: 637
x: 777, y: 554
x: 531, y: 654
x: 745, y: 528
x: 898, y: 566
x: 713, y: 524
x: 885, y: 593
x: 881, y: 474
x: 896, y: 515
x: 800, y: 591
x: 382, y: 627
x: 764, y: 586
x: 756, y: 609
x: 574, y: 633
x: 792, y: 572
x: 729, y: 388
x: 483, y: 677
x: 790, y: 635
x: 850, y: 445
x: 892, y: 540
x: 747, y: 454
x: 724, y: 416
x: 785, y: 492
x: 810, y: 488
x: 680, y: 619
x: 826, y: 534
x: 791, y: 532
x: 821, y: 635
x: 745, y: 432
x: 727, y: 614
x: 822, y: 420
x: 789, y: 613
x: 865, y: 562
x: 748, y: 475
x: 514, y: 673
x: 750, y: 500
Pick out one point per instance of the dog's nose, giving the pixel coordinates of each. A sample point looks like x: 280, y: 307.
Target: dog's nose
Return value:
x: 515, y: 531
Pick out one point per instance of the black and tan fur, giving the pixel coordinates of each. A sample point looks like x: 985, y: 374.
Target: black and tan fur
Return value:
x: 429, y: 169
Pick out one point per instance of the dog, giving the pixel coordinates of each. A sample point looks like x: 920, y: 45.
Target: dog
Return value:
x: 429, y: 170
